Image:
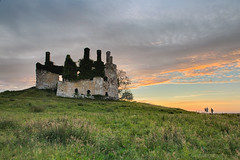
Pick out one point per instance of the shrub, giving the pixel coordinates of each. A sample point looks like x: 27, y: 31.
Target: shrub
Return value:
x: 57, y: 134
x: 101, y: 103
x: 127, y: 95
x: 5, y: 124
x: 65, y: 132
x: 37, y: 108
x: 110, y: 110
x: 80, y: 104
x: 124, y: 105
x: 51, y: 106
x: 98, y: 97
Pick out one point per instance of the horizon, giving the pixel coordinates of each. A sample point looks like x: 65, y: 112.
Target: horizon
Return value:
x: 198, y: 111
x: 177, y: 54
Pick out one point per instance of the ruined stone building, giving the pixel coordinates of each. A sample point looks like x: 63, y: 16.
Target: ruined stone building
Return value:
x: 87, y: 79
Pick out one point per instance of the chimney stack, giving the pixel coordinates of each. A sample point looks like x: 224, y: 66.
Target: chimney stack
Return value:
x: 99, y: 53
x: 111, y: 59
x: 86, y: 53
x: 47, y: 58
x: 108, y: 56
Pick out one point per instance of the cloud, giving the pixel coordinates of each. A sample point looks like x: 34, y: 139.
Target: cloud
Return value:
x: 205, y: 69
x: 155, y: 41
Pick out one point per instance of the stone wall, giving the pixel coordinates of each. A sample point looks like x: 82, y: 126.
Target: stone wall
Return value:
x: 46, y: 79
x: 111, y: 74
x: 97, y: 86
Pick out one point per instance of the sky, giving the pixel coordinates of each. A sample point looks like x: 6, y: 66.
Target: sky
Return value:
x: 183, y: 54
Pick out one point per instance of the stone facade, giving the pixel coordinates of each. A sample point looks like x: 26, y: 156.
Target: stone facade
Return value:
x: 98, y: 79
x: 111, y: 74
x: 46, y: 79
x: 97, y: 86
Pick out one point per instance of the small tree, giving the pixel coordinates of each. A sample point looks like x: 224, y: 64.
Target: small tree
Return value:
x: 123, y: 85
x: 127, y: 95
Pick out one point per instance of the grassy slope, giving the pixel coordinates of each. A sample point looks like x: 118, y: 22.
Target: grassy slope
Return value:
x: 35, y: 124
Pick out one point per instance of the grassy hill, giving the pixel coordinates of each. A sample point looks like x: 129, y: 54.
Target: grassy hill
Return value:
x: 35, y: 124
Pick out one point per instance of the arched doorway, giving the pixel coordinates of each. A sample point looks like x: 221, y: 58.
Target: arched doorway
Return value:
x: 88, y: 92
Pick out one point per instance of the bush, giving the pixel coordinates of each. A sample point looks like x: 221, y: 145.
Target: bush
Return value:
x: 57, y: 134
x: 64, y: 132
x: 80, y: 104
x: 127, y: 95
x: 110, y: 110
x: 5, y: 124
x: 37, y: 108
x: 51, y: 106
x: 98, y: 97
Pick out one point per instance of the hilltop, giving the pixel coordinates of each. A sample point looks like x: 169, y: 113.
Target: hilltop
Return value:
x: 36, y: 124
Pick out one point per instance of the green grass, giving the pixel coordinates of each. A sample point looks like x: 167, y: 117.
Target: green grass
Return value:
x: 35, y: 124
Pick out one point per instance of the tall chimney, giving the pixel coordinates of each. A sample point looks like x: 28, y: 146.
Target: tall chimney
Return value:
x: 111, y: 59
x: 86, y: 53
x: 47, y: 58
x: 99, y: 53
x: 108, y: 56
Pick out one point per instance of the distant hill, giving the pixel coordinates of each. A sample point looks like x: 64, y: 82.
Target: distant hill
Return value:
x: 36, y: 124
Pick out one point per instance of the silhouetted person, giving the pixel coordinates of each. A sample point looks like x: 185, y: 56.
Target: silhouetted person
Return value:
x: 211, y: 111
x: 206, y: 109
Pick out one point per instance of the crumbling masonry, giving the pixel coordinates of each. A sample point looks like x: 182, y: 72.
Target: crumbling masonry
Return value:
x: 87, y: 79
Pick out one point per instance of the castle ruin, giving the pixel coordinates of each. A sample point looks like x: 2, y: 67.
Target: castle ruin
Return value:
x: 87, y: 79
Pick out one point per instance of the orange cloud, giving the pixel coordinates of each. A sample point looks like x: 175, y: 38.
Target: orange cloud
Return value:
x: 184, y: 71
x: 238, y: 64
x: 148, y: 81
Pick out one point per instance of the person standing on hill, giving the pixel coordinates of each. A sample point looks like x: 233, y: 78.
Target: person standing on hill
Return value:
x: 206, y: 109
x: 211, y: 111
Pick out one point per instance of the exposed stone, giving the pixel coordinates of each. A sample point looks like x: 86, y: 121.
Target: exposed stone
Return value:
x: 46, y: 79
x: 95, y: 86
x: 111, y: 74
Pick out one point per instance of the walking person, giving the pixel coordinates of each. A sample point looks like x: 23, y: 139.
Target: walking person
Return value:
x: 211, y: 111
x: 206, y: 109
